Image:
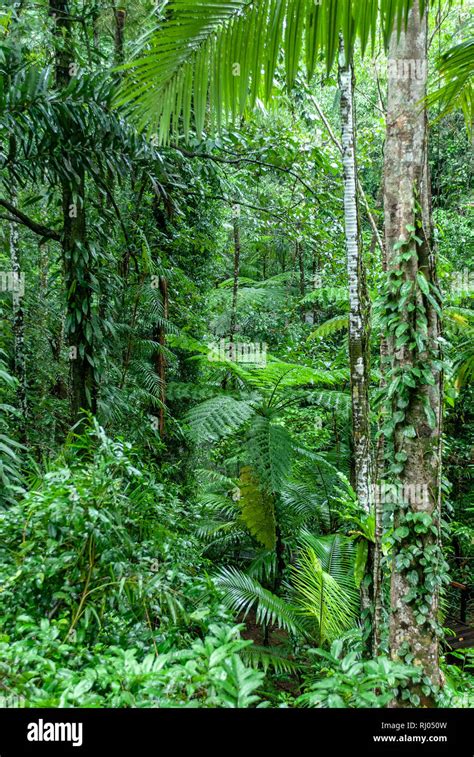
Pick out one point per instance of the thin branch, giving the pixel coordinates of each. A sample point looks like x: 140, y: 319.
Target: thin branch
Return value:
x: 240, y: 159
x: 38, y: 228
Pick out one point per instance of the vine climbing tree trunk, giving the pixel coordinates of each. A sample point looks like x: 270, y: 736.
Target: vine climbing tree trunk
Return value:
x: 359, y: 306
x: 76, y: 253
x: 414, y: 378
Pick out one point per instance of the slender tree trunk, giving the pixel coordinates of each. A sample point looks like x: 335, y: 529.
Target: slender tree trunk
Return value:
x: 18, y: 320
x: 416, y: 436
x: 160, y: 357
x: 359, y: 315
x: 120, y: 15
x: 378, y: 499
x: 300, y: 257
x: 235, y: 286
x: 76, y: 254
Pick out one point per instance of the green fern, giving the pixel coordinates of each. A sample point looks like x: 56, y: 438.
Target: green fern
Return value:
x: 331, y: 326
x: 331, y: 400
x: 218, y: 417
x: 270, y: 452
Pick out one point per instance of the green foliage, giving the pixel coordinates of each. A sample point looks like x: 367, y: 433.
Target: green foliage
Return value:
x: 191, y: 58
x: 258, y: 512
x: 454, y: 88
x: 46, y: 671
x: 9, y: 448
x: 343, y: 679
x: 324, y: 582
x: 242, y: 593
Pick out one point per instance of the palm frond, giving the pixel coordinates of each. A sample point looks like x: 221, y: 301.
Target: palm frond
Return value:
x: 323, y: 595
x: 455, y: 86
x: 267, y: 658
x: 242, y: 593
x: 218, y: 56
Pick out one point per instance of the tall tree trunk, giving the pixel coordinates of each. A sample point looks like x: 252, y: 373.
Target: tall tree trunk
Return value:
x: 160, y: 364
x: 76, y: 254
x: 235, y: 286
x: 18, y: 324
x: 119, y: 14
x: 378, y: 498
x: 300, y: 257
x: 416, y: 404
x: 359, y: 315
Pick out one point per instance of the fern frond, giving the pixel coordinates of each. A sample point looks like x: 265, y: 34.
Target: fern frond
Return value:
x: 331, y: 326
x: 218, y: 417
x: 270, y: 452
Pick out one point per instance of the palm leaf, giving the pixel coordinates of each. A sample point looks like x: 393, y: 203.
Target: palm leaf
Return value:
x: 323, y: 594
x: 242, y: 593
x: 220, y: 55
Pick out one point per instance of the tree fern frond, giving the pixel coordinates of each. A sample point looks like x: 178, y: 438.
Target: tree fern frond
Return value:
x: 218, y: 417
x: 270, y: 452
x: 331, y: 400
x: 302, y: 501
x: 331, y: 326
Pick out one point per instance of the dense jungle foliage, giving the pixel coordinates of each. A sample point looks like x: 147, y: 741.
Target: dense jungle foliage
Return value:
x: 236, y: 399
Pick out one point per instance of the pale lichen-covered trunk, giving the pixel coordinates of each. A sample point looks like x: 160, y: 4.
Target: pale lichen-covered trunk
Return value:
x: 416, y: 438
x: 359, y: 308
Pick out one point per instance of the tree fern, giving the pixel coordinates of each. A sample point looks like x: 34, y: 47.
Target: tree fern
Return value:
x: 331, y: 326
x: 301, y: 502
x: 258, y: 511
x: 270, y: 453
x: 331, y: 400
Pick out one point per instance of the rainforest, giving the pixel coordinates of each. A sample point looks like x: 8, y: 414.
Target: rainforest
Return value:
x: 236, y: 354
